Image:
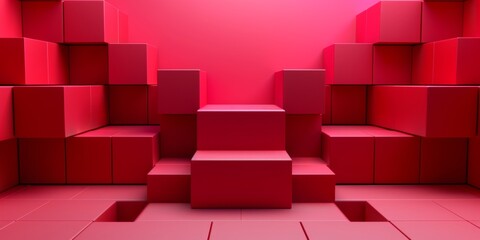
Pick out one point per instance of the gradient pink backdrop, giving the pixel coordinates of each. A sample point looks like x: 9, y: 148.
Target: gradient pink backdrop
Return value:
x: 241, y: 43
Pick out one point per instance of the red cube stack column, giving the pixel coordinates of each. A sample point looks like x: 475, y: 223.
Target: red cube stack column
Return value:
x: 56, y: 70
x: 414, y: 46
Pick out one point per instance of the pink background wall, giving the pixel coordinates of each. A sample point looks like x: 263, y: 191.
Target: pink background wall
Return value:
x: 242, y: 43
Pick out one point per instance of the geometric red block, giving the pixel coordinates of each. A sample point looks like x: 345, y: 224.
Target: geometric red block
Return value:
x: 471, y: 18
x: 10, y: 19
x: 132, y: 63
x: 397, y: 157
x: 98, y: 107
x: 43, y: 20
x: 90, y: 22
x: 312, y: 181
x: 23, y: 61
x: 348, y: 104
x: 303, y: 135
x: 240, y: 127
x: 422, y: 64
x: 348, y: 63
x: 58, y: 111
x: 42, y: 161
x: 181, y: 91
x: 392, y: 65
x: 390, y: 22
x: 327, y: 116
x: 128, y: 104
x: 300, y: 91
x: 6, y: 111
x: 349, y: 152
x: 58, y: 68
x: 474, y: 162
x: 153, y: 115
x: 441, y: 20
x: 135, y: 150
x: 456, y: 61
x: 8, y: 164
x: 239, y: 179
x: 169, y: 181
x: 443, y: 160
x: 428, y: 111
x: 89, y: 64
x: 179, y: 135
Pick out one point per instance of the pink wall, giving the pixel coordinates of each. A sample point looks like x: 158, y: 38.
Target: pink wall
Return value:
x: 241, y: 43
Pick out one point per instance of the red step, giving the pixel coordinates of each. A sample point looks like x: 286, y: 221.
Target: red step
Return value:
x: 241, y: 179
x: 169, y: 181
x: 312, y: 180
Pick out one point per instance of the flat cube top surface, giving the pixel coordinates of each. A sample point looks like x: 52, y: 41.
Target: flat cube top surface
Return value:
x: 241, y: 156
x: 122, y: 131
x: 241, y: 108
x: 346, y: 131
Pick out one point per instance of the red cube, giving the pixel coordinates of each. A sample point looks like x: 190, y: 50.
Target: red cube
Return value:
x: 179, y: 135
x: 303, y: 135
x: 392, y: 65
x: 153, y: 115
x: 8, y: 164
x: 474, y: 161
x: 349, y: 152
x: 6, y: 111
x: 471, y: 19
x: 312, y: 181
x: 456, y: 61
x: 390, y: 22
x: 422, y: 64
x: 58, y: 111
x: 441, y: 20
x: 300, y: 91
x: 89, y: 64
x: 169, y: 181
x: 42, y: 161
x: 348, y: 63
x: 443, y: 160
x: 90, y: 22
x: 128, y: 104
x: 181, y: 91
x: 23, y: 61
x: 238, y: 179
x: 10, y: 19
x: 58, y: 67
x: 348, y: 104
x: 135, y: 151
x: 43, y: 20
x: 427, y: 111
x: 327, y: 116
x: 132, y: 63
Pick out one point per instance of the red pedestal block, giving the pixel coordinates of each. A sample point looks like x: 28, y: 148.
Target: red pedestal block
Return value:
x: 427, y: 111
x: 89, y: 64
x: 422, y: 64
x: 241, y: 127
x: 132, y: 63
x: 443, y: 160
x: 312, y: 181
x: 89, y: 157
x: 474, y: 162
x: 327, y: 116
x: 300, y: 91
x: 238, y: 179
x: 441, y: 20
x: 42, y: 161
x: 471, y: 18
x: 10, y: 19
x: 348, y: 63
x: 128, y: 104
x: 392, y: 65
x: 135, y: 150
x: 456, y: 61
x: 169, y: 181
x: 6, y: 111
x: 153, y: 115
x: 397, y: 157
x: 90, y: 22
x: 58, y: 111
x: 181, y: 91
x: 303, y: 135
x: 390, y: 22
x: 349, y: 152
x: 43, y: 20
x: 348, y: 104
x: 179, y: 135
x: 8, y: 164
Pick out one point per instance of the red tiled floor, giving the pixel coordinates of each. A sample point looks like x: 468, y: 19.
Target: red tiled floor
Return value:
x: 405, y: 210
x: 352, y: 230
x: 4, y: 224
x: 120, y: 193
x: 261, y: 230
x: 438, y: 230
x: 70, y: 210
x: 41, y: 230
x: 298, y: 212
x: 46, y: 192
x: 154, y: 230
x: 183, y: 212
x: 14, y: 209
x: 468, y: 209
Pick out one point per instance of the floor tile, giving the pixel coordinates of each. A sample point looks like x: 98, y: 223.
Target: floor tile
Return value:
x: 69, y: 210
x: 41, y: 230
x: 14, y: 209
x: 412, y: 210
x: 298, y: 212
x: 46, y: 192
x: 119, y: 193
x: 468, y: 209
x: 260, y: 230
x: 438, y: 230
x: 316, y: 230
x: 183, y: 212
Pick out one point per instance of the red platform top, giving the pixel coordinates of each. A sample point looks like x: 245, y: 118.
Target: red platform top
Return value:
x: 241, y: 108
x: 231, y: 155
